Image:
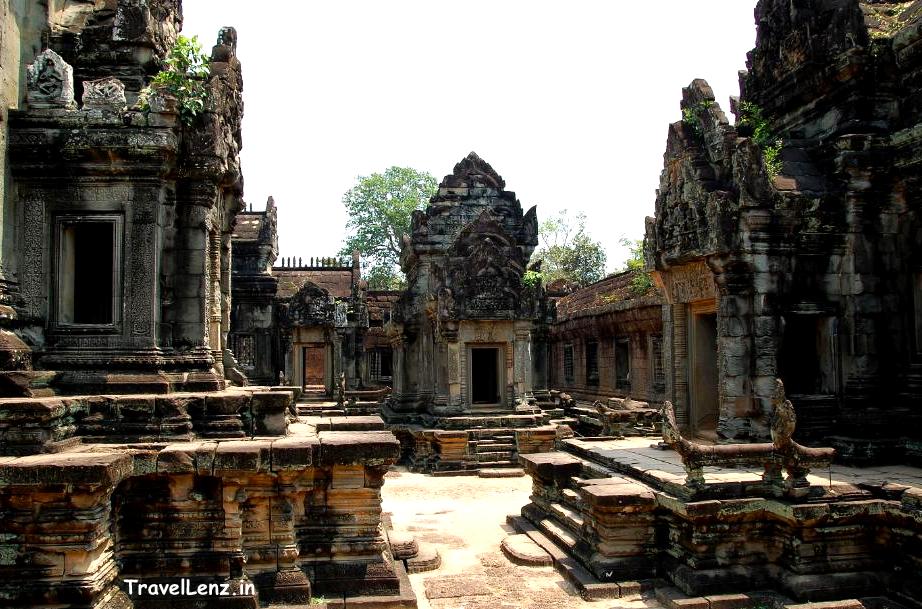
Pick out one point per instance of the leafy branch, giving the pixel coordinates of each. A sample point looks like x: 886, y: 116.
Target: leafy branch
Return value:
x: 186, y: 70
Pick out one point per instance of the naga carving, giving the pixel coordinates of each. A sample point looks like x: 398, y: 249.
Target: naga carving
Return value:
x: 783, y: 453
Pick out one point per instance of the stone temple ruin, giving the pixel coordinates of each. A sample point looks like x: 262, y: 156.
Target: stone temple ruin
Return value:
x: 462, y: 332
x: 177, y: 402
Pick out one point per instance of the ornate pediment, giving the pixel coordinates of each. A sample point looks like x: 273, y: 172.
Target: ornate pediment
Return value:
x: 311, y: 306
x: 486, y: 270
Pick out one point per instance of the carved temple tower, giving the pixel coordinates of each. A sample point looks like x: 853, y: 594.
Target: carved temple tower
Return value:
x: 462, y: 331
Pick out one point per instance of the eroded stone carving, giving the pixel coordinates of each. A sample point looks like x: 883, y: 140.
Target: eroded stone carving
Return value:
x: 104, y: 94
x: 50, y: 82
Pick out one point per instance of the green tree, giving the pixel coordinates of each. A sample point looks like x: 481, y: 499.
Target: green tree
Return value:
x: 568, y: 252
x: 380, y: 208
x: 642, y: 280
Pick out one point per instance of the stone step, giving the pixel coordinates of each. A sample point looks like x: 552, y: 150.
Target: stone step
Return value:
x: 570, y: 517
x: 522, y: 550
x: 493, y: 457
x: 493, y: 448
x: 501, y: 472
x: 571, y: 498
x: 589, y: 587
x: 427, y: 559
x: 558, y: 533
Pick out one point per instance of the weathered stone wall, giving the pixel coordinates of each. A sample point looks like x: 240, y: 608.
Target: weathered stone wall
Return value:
x: 253, y: 338
x: 298, y: 516
x: 602, y: 313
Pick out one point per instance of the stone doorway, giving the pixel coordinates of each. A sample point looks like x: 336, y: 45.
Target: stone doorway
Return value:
x: 703, y: 388
x: 314, y: 357
x: 485, y: 386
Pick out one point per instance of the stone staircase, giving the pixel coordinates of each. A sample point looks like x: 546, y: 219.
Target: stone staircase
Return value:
x: 492, y: 448
x: 314, y: 402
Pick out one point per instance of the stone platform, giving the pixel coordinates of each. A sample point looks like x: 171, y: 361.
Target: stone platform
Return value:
x: 216, y: 488
x: 616, y: 515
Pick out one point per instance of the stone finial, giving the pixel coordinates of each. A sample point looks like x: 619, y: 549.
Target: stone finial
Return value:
x: 104, y: 94
x: 50, y: 82
x: 473, y: 172
x: 226, y: 45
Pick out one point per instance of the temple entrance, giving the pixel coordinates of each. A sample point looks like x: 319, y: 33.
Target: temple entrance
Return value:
x: 703, y: 390
x: 314, y: 364
x: 485, y: 376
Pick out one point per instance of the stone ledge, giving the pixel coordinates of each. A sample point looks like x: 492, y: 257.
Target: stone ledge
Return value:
x: 358, y: 447
x: 67, y: 468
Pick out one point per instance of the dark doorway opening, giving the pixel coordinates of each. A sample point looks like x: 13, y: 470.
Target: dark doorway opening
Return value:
x: 703, y: 382
x: 485, y: 375
x: 88, y: 267
x: 806, y: 362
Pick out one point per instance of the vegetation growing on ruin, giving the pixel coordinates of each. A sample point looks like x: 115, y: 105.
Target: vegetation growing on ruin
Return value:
x: 186, y: 69
x: 690, y: 116
x: 641, y: 283
x: 752, y: 117
x: 568, y: 252
x: 531, y: 279
x: 380, y: 210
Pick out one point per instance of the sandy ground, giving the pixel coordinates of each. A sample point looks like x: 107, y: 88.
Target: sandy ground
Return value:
x: 464, y: 517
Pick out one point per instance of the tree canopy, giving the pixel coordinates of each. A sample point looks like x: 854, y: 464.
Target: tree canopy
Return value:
x: 380, y: 208
x: 568, y: 252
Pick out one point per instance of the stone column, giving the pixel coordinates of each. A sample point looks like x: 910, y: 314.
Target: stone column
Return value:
x: 192, y: 281
x: 213, y: 285
x: 337, y: 348
x: 680, y: 362
x: 142, y: 269
x: 522, y: 361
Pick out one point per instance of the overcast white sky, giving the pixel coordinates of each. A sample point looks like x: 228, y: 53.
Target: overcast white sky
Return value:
x: 568, y: 100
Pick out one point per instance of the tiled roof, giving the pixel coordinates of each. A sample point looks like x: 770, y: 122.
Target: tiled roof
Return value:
x: 337, y: 281
x: 614, y: 293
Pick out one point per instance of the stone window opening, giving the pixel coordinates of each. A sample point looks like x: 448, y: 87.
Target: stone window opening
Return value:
x: 382, y: 362
x: 88, y: 270
x: 568, y: 364
x: 657, y: 364
x: 592, y: 364
x: 623, y: 363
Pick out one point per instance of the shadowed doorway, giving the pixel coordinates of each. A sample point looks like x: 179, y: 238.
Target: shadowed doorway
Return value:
x: 703, y: 390
x: 485, y: 375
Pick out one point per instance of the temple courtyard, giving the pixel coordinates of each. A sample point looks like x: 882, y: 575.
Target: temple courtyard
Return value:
x: 464, y: 519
